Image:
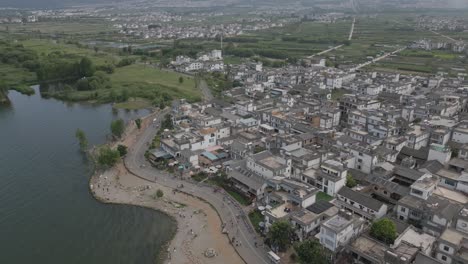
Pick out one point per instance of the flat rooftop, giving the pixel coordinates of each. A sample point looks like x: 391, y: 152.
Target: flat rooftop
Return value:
x: 369, y: 247
x: 416, y: 239
x: 272, y: 162
x: 452, y: 236
x: 451, y: 194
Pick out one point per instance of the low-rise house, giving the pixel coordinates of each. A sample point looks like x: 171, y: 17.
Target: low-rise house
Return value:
x: 268, y: 165
x: 452, y: 247
x: 329, y: 178
x: 360, y: 204
x: 460, y: 133
x: 337, y: 231
x: 417, y: 137
x: 432, y: 215
x: 307, y: 221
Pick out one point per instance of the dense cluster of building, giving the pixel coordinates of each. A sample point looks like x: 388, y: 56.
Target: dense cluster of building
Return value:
x: 452, y: 23
x: 290, y: 139
x: 428, y: 44
x: 207, y: 62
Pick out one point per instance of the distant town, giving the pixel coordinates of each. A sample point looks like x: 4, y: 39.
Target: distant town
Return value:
x: 337, y: 133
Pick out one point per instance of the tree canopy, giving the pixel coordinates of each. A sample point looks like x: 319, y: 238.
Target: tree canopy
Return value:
x: 117, y: 128
x: 107, y: 157
x: 350, y: 181
x: 384, y: 230
x: 310, y: 251
x: 122, y: 149
x: 86, y: 67
x: 280, y: 234
x: 83, y: 141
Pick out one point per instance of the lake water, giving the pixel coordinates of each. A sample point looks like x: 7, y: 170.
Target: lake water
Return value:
x: 47, y: 214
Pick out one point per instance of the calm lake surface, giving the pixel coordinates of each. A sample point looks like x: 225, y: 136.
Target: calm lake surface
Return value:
x: 47, y: 214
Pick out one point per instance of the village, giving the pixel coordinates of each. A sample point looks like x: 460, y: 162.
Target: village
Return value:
x: 332, y: 153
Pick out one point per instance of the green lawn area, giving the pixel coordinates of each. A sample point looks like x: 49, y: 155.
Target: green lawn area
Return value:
x: 14, y: 76
x: 133, y: 104
x: 84, y: 26
x: 142, y: 80
x: 321, y: 196
x: 255, y: 218
x: 46, y: 47
x: 239, y: 197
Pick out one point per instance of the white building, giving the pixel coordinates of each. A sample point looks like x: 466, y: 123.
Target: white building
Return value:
x: 360, y: 204
x: 337, y: 231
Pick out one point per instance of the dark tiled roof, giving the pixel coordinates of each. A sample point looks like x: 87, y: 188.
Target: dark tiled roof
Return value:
x: 408, y: 173
x: 421, y: 153
x: 320, y: 207
x: 360, y: 198
x: 432, y: 166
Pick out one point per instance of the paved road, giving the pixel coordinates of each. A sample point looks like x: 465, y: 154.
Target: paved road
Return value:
x: 351, y: 32
x: 376, y: 59
x: 227, y: 208
x: 442, y: 35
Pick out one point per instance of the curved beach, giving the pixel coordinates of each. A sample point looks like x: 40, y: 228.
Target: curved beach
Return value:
x: 198, y: 224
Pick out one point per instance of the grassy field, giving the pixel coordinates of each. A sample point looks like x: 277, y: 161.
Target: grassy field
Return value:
x: 374, y: 36
x: 13, y: 76
x: 255, y: 218
x: 143, y: 79
x: 46, y: 47
x: 82, y: 27
x: 133, y: 104
x: 424, y: 62
x: 137, y: 80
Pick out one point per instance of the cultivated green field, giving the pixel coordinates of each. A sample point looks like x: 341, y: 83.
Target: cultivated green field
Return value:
x: 81, y: 27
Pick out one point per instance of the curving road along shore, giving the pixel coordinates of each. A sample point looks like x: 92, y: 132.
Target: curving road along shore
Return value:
x: 230, y: 212
x: 135, y: 181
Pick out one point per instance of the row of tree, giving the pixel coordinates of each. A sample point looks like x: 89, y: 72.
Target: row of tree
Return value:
x: 106, y: 156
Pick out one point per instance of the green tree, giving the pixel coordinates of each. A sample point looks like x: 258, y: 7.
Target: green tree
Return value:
x: 122, y: 149
x: 86, y: 67
x: 350, y: 181
x: 384, y: 230
x: 82, y: 85
x: 113, y: 96
x: 167, y: 122
x: 310, y: 251
x: 138, y: 123
x: 117, y: 128
x: 124, y: 95
x: 107, y: 157
x: 159, y: 193
x: 81, y: 136
x: 181, y: 79
x: 280, y: 234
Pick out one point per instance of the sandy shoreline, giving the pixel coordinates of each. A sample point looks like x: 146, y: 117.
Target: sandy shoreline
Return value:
x: 198, y: 224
